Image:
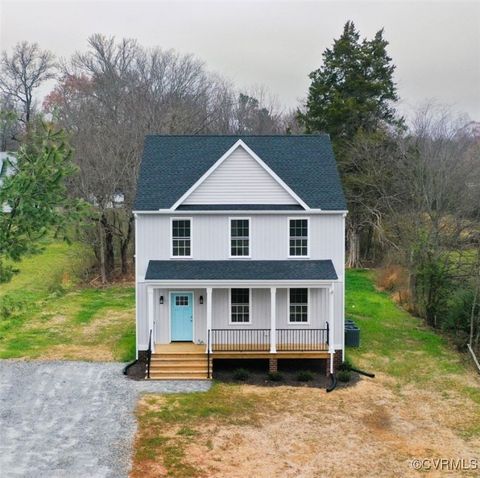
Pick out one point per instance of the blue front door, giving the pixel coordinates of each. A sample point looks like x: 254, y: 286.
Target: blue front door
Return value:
x: 182, y: 316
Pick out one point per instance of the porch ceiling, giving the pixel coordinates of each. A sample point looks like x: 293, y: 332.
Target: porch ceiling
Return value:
x: 241, y: 270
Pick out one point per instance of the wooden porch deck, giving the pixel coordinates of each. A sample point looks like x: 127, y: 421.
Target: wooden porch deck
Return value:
x: 189, y: 348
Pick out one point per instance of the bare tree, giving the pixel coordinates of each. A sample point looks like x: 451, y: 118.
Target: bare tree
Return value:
x: 22, y: 72
x: 109, y: 98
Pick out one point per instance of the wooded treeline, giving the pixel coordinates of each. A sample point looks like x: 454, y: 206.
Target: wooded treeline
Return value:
x: 413, y: 187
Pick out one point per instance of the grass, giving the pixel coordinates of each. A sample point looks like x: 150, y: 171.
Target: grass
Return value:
x: 422, y: 388
x: 47, y: 314
x: 171, y: 424
x: 392, y: 340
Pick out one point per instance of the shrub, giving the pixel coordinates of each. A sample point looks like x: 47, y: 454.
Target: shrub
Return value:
x: 10, y: 306
x: 344, y: 375
x: 275, y: 377
x: 305, y: 376
x: 346, y: 365
x: 241, y: 374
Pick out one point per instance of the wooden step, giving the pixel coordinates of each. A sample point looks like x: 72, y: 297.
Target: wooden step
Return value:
x: 179, y: 355
x: 179, y: 369
x: 176, y: 377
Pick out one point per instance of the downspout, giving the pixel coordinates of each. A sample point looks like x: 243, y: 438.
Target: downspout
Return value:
x: 332, y: 329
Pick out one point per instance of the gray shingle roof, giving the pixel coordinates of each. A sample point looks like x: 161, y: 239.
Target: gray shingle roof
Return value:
x: 172, y: 164
x: 241, y: 270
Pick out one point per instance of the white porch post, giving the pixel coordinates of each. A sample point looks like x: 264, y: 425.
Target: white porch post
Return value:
x: 151, y: 322
x: 273, y: 319
x: 331, y: 347
x: 209, y: 317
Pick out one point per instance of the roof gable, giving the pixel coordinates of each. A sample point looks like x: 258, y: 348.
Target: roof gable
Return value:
x: 173, y: 164
x: 237, y: 175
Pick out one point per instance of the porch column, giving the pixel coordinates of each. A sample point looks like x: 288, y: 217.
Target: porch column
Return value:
x: 209, y: 318
x: 273, y: 319
x: 151, y: 321
x: 331, y: 347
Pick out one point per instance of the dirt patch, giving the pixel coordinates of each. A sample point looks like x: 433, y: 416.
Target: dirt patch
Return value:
x: 371, y: 429
x: 109, y: 319
x: 97, y: 353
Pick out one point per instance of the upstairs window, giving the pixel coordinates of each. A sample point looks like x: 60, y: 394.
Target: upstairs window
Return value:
x: 181, y: 238
x: 240, y: 306
x: 298, y: 312
x: 239, y: 237
x: 298, y: 241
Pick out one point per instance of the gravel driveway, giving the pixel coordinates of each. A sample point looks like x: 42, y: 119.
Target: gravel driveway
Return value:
x: 70, y: 419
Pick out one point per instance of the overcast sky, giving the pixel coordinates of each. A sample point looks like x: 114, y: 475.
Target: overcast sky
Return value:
x: 435, y: 45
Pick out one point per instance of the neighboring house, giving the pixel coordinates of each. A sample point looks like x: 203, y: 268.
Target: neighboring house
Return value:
x: 239, y: 251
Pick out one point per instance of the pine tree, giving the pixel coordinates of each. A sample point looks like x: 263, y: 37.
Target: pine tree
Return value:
x: 353, y: 89
x: 351, y: 94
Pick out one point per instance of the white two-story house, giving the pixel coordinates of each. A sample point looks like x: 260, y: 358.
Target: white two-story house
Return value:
x: 240, y: 246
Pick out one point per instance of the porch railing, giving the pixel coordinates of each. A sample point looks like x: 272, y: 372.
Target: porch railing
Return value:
x: 240, y: 340
x: 258, y: 340
x: 302, y: 340
x: 149, y: 353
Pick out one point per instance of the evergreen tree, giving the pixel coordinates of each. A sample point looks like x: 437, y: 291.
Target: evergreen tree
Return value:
x: 352, y: 95
x: 353, y: 89
x: 34, y: 199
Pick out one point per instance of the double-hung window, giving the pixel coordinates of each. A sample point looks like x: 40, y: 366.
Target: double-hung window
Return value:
x: 240, y: 306
x: 298, y: 300
x: 181, y: 238
x: 239, y: 237
x: 298, y: 238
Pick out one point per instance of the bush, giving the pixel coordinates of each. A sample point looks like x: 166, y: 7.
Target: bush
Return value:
x: 305, y: 376
x: 344, y: 375
x: 241, y: 374
x: 346, y: 365
x: 275, y: 377
x: 10, y: 306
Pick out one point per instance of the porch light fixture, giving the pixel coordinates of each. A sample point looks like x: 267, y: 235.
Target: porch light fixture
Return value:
x: 201, y: 300
x: 161, y: 300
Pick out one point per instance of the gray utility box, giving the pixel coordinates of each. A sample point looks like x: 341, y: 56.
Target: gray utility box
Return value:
x: 352, y: 334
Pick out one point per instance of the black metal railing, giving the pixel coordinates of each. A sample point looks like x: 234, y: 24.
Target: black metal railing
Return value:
x: 258, y: 340
x: 208, y: 353
x: 240, y: 340
x: 149, y: 353
x: 302, y: 340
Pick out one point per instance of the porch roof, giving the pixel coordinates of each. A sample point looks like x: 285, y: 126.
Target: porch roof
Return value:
x: 241, y: 270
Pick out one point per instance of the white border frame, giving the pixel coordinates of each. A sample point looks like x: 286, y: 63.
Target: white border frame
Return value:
x: 170, y: 303
x: 293, y: 218
x: 250, y: 310
x: 240, y: 143
x: 173, y: 218
x: 233, y: 218
x: 309, y: 304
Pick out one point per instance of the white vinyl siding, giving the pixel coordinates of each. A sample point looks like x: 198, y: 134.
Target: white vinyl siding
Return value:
x: 269, y: 238
x: 240, y: 179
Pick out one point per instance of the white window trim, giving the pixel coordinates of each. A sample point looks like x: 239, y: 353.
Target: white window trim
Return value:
x: 171, y: 237
x: 230, y: 219
x: 293, y: 218
x: 308, y: 322
x: 250, y: 307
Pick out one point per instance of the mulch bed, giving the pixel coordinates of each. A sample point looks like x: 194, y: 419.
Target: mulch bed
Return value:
x: 137, y: 371
x: 224, y: 371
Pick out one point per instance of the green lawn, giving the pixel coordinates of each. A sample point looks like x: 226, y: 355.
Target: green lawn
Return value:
x: 45, y: 313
